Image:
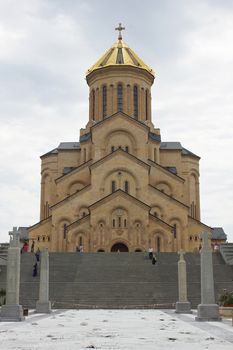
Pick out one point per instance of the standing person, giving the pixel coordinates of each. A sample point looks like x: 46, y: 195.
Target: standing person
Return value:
x: 154, y: 259
x: 25, y: 247
x: 34, y: 273
x: 150, y: 251
x: 32, y: 246
x: 81, y: 248
x: 37, y: 254
x: 216, y: 248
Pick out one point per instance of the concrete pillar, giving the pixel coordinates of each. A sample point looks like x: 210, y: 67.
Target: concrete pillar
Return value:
x: 12, y: 311
x: 183, y: 306
x: 43, y: 305
x: 208, y: 310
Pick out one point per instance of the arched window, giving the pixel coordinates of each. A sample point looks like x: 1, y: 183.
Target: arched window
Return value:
x: 126, y: 186
x: 119, y: 218
x: 84, y: 155
x: 93, y: 105
x: 174, y: 230
x: 64, y: 231
x: 80, y: 241
x: 104, y: 94
x: 113, y: 186
x: 158, y: 243
x: 119, y: 97
x: 146, y: 102
x: 135, y: 102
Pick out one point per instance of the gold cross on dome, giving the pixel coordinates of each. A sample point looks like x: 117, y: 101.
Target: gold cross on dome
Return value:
x: 120, y: 28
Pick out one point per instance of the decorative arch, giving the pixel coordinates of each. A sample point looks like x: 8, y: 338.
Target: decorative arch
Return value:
x: 159, y: 240
x: 62, y: 232
x: 79, y: 238
x: 165, y: 187
x: 193, y: 181
x: 46, y: 193
x: 120, y: 138
x: 119, y: 176
x: 119, y: 247
x: 178, y: 225
x: 75, y: 186
x: 157, y: 211
x: 83, y: 211
x: 119, y: 218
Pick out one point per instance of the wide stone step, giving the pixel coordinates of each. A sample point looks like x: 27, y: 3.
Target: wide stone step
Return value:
x: 120, y: 280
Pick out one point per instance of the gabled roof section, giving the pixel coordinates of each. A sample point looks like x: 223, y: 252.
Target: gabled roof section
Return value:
x: 119, y: 192
x: 218, y: 233
x: 154, y: 137
x: 63, y: 146
x: 74, y: 170
x: 40, y: 222
x: 176, y: 146
x: 121, y: 151
x: 166, y: 170
x: 201, y: 223
x: 171, y: 145
x: 69, y: 197
x: 85, y: 137
x: 186, y: 152
x: 79, y: 221
x: 170, y: 197
x: 68, y: 146
x: 161, y: 221
x: 122, y: 114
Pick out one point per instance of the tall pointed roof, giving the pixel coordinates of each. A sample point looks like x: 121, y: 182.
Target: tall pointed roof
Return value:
x: 120, y: 54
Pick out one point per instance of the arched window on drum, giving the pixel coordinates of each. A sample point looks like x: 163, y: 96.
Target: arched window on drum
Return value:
x: 119, y: 97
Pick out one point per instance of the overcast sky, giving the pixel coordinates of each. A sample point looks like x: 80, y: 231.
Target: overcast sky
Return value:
x: 46, y: 46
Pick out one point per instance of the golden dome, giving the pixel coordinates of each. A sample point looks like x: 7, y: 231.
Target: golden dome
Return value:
x: 120, y: 54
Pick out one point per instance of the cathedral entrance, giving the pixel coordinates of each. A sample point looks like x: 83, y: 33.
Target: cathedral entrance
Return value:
x: 119, y: 247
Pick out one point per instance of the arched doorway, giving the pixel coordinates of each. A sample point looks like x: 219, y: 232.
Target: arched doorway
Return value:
x: 119, y: 247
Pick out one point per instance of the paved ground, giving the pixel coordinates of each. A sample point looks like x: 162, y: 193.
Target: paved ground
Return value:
x: 115, y: 329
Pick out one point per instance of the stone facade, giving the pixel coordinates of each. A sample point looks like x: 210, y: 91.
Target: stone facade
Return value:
x: 119, y: 187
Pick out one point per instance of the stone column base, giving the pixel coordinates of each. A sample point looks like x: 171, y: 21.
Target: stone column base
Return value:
x: 208, y: 312
x: 183, y: 307
x: 43, y: 307
x: 11, y: 313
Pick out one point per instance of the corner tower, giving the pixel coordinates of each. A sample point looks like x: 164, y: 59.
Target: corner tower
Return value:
x: 120, y: 82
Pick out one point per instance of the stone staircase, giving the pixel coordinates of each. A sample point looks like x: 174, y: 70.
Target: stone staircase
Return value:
x: 118, y: 280
x: 226, y: 249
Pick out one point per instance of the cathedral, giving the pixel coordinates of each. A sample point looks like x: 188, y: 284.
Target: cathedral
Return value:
x: 120, y: 188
